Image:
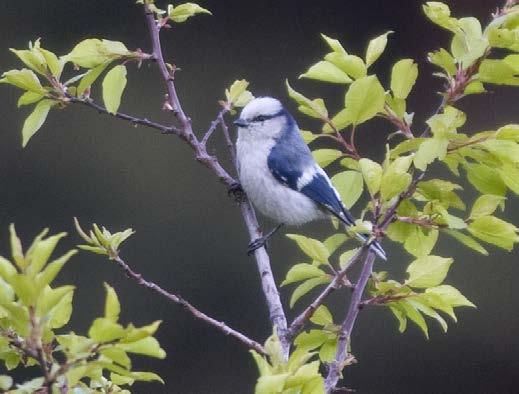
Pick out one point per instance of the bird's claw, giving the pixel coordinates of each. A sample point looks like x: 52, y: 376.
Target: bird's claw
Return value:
x: 256, y: 244
x: 236, y: 192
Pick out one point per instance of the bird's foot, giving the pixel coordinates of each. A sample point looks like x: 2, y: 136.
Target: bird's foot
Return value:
x: 262, y: 241
x: 257, y: 244
x: 236, y: 192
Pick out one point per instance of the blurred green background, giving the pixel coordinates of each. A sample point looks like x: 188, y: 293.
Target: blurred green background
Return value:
x: 190, y: 237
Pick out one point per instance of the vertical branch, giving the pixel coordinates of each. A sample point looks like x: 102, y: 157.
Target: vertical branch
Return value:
x: 276, y: 311
x: 337, y: 365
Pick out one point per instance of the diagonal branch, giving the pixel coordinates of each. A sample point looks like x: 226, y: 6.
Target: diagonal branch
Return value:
x: 221, y: 326
x: 276, y: 311
x: 337, y: 365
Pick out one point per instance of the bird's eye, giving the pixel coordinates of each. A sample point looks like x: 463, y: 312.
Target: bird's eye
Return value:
x: 260, y: 118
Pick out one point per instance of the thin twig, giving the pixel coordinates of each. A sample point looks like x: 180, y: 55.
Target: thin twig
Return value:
x: 130, y: 273
x: 130, y: 118
x: 337, y: 365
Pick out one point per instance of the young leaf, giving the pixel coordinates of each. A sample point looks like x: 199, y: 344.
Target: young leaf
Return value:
x: 35, y: 120
x: 364, y: 99
x: 311, y: 247
x: 349, y: 184
x: 467, y: 241
x: 305, y: 287
x: 327, y: 72
x: 325, y: 157
x: 90, y: 77
x: 375, y: 48
x: 182, y: 12
x: 301, y: 272
x: 403, y: 78
x: 428, y: 271
x: 29, y: 98
x: 334, y: 44
x: 450, y: 295
x: 494, y: 231
x: 113, y: 87
x: 23, y: 79
x: 352, y: 65
x: 486, y: 205
x: 112, y: 305
x: 322, y: 316
x: 372, y: 173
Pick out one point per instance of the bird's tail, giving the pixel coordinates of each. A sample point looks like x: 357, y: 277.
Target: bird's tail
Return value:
x: 373, y: 245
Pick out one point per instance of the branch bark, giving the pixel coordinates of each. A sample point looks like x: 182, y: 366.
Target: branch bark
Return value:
x: 275, y: 307
x: 221, y: 326
x: 334, y: 373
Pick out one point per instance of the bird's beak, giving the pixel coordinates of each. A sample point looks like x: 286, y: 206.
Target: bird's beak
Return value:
x: 241, y: 122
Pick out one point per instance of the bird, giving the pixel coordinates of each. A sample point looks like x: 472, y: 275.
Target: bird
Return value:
x: 279, y: 175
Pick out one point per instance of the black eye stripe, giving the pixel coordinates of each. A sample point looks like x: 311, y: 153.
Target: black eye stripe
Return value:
x: 261, y: 118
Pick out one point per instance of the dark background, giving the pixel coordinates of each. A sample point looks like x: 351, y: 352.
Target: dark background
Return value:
x: 190, y: 237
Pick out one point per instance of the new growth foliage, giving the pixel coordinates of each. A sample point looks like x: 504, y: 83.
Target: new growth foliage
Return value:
x: 398, y: 199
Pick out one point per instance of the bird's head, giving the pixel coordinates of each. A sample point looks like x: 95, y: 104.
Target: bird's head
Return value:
x: 263, y: 117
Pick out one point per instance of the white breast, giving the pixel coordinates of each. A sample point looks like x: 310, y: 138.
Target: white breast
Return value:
x: 272, y: 198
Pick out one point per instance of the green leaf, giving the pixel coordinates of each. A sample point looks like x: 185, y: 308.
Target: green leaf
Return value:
x: 430, y: 150
x: 420, y: 242
x: 485, y: 179
x: 375, y: 48
x: 29, y: 98
x: 262, y: 364
x: 53, y: 268
x: 305, y: 287
x: 148, y: 347
x: 327, y: 72
x: 396, y: 179
x: 271, y: 384
x: 345, y: 258
x: 364, y: 99
x: 440, y: 14
x: 414, y: 315
x: 314, y: 108
x: 403, y: 78
x: 443, y: 59
x: 92, y: 52
x: 35, y: 120
x: 325, y: 157
x: 494, y: 231
x: 5, y: 382
x: 60, y: 314
x: 322, y: 316
x: 334, y: 44
x: 333, y: 242
x: 24, y: 288
x: 112, y: 305
x: 510, y: 176
x: 340, y: 121
x: 23, y: 79
x: 301, y: 272
x: 311, y: 339
x: 313, y: 248
x: 498, y: 72
x: 422, y: 307
x: 328, y: 351
x: 486, y: 205
x: 16, y: 248
x: 352, y: 65
x: 467, y: 241
x: 90, y: 77
x: 237, y: 94
x: 146, y: 377
x: 399, y: 313
x: 428, y: 271
x: 40, y: 251
x: 113, y: 87
x: 372, y: 173
x: 450, y: 295
x: 105, y: 330
x: 349, y: 184
x: 182, y: 12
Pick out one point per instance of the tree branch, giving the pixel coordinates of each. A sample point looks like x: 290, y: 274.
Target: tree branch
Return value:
x: 132, y: 119
x: 337, y: 365
x: 276, y: 311
x: 221, y: 326
x: 300, y: 321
